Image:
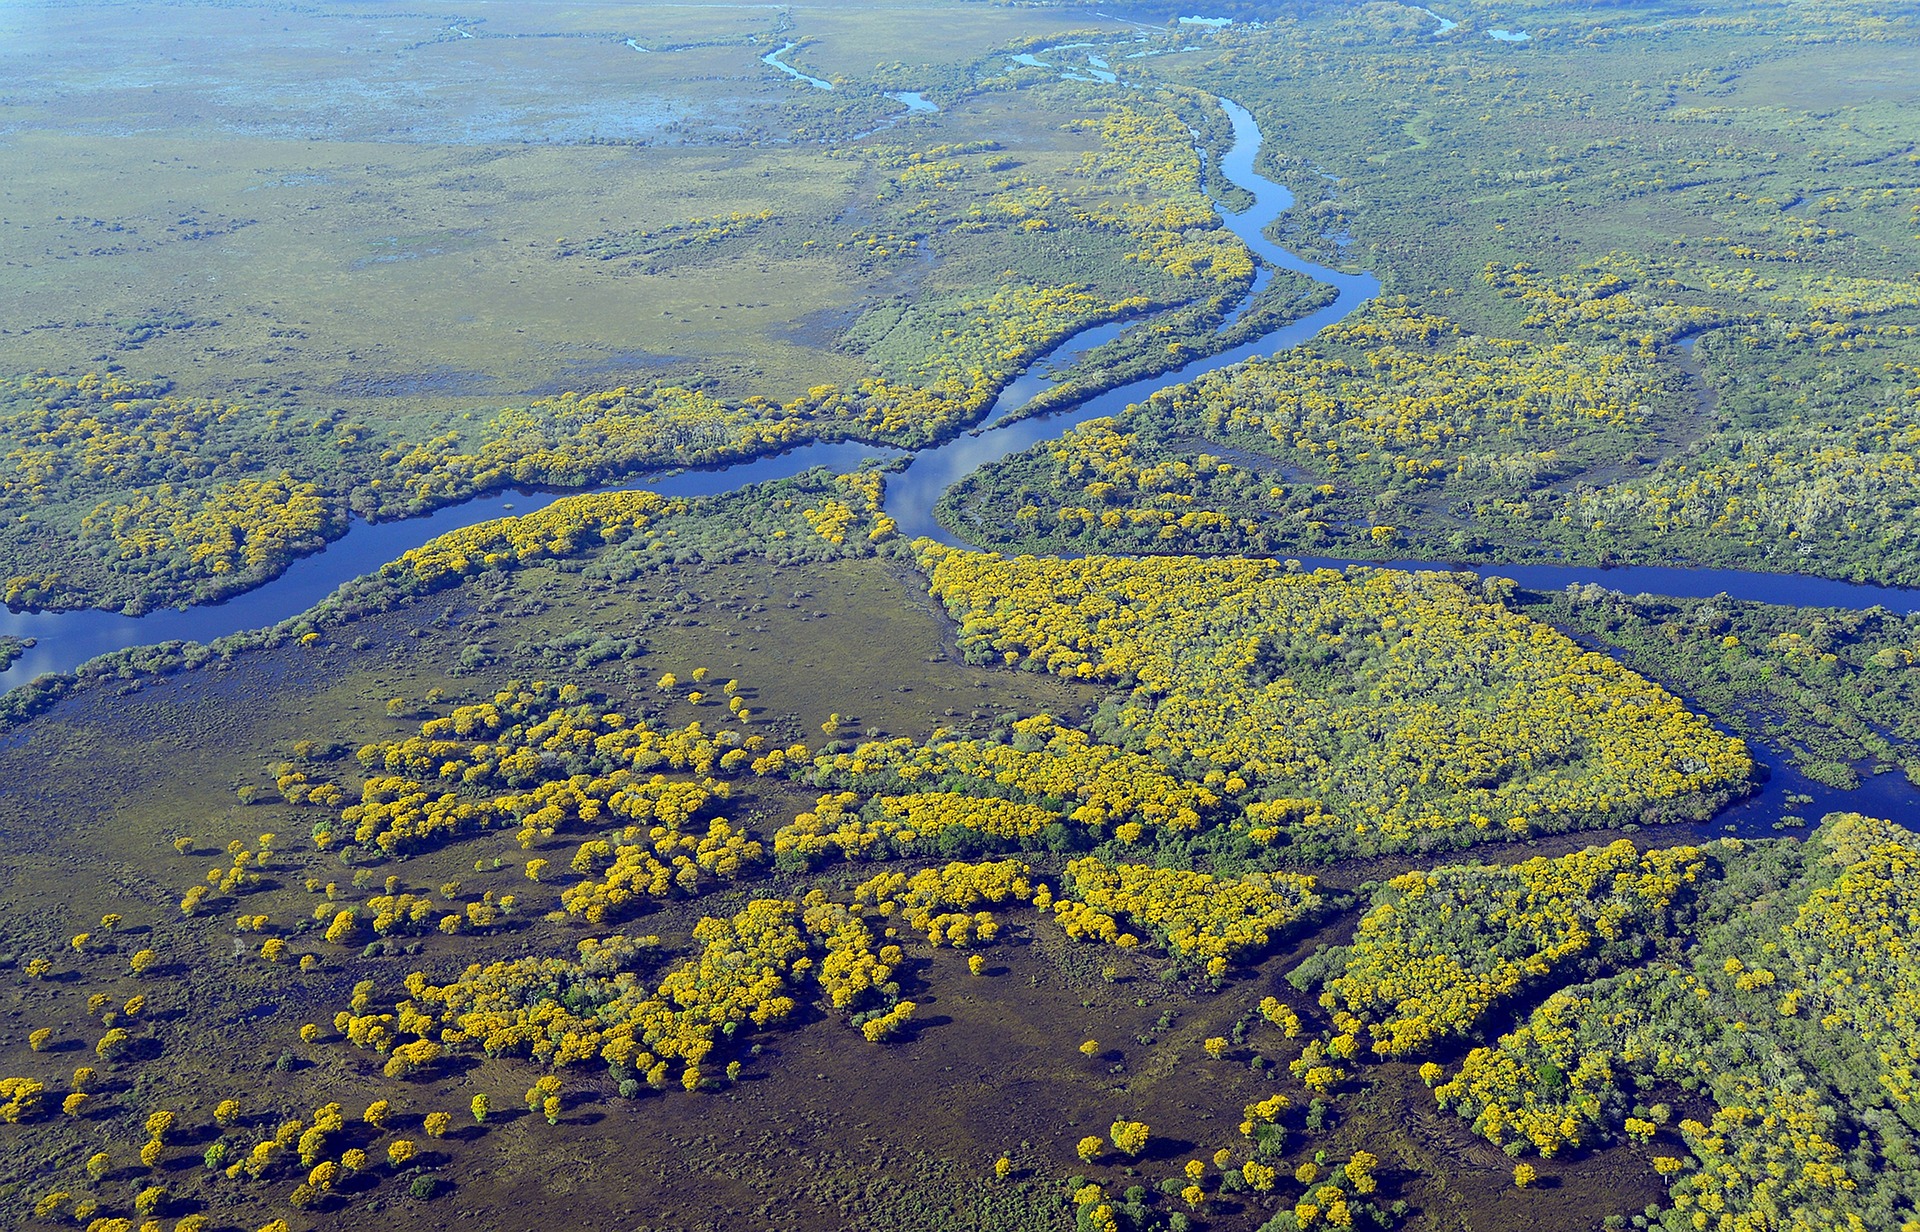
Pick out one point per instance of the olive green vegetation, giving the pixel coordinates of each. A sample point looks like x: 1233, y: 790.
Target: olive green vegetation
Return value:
x: 757, y: 527
x: 747, y: 586
x: 771, y: 270
x: 1177, y: 336
x: 1625, y: 179
x: 1837, y: 691
x: 1781, y: 1029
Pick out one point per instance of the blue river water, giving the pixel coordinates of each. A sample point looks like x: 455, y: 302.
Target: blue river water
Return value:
x: 64, y: 640
x: 912, y: 494
x: 773, y: 58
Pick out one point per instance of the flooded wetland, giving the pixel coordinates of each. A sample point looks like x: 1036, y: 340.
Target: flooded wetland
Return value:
x: 712, y: 617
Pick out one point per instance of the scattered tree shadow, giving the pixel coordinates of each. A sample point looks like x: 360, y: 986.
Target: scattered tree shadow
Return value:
x: 1160, y: 1149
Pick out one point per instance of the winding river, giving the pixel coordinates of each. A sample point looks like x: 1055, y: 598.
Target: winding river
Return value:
x: 912, y: 494
x: 64, y: 640
x: 772, y: 59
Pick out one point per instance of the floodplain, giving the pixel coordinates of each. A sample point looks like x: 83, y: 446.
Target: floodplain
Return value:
x: 735, y: 860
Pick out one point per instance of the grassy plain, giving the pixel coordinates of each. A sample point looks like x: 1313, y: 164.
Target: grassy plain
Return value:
x: 361, y: 234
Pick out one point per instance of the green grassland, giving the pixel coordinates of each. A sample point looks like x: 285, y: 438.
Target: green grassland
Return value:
x: 418, y: 254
